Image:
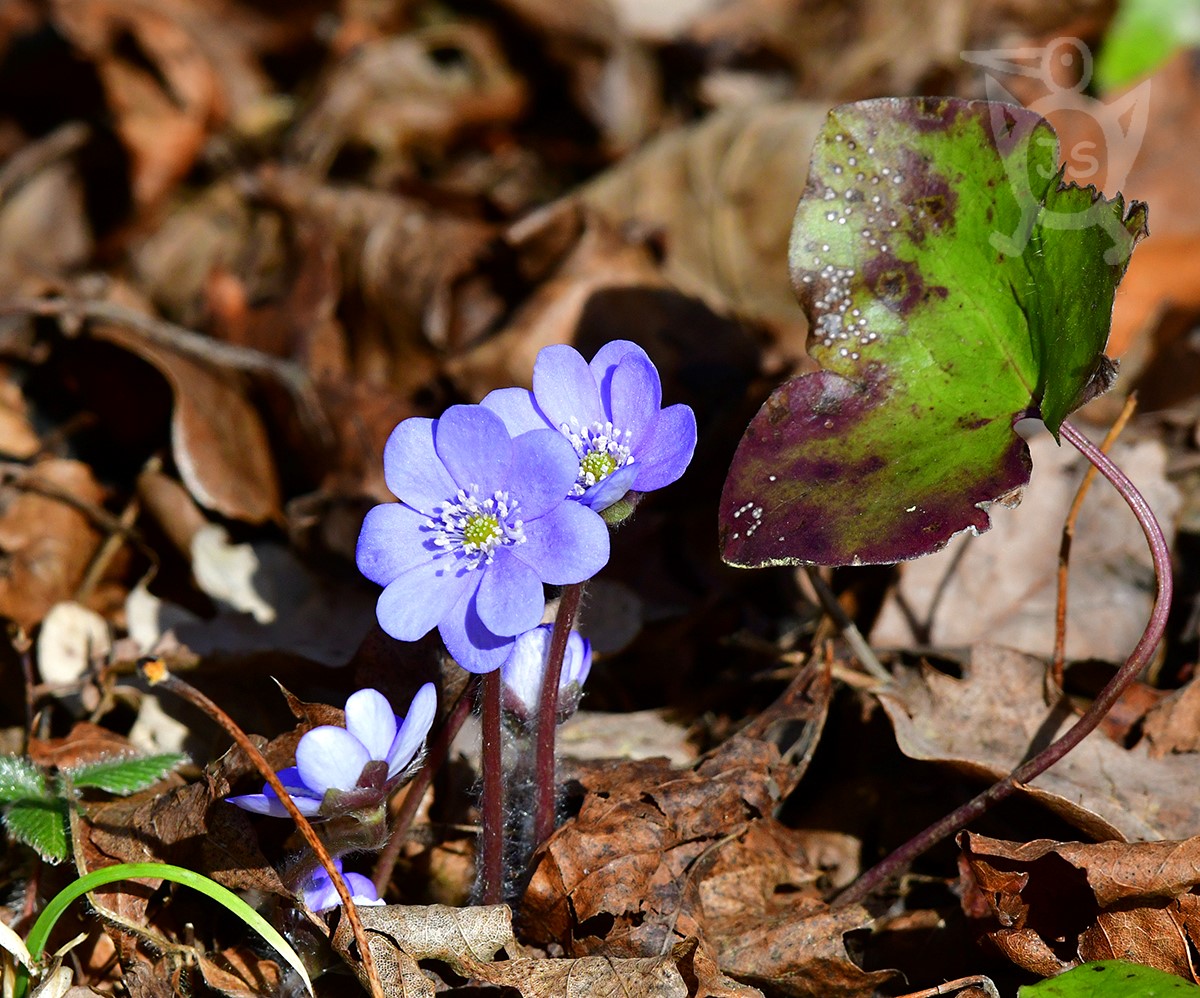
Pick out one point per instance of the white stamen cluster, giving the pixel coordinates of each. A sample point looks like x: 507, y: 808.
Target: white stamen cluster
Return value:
x: 599, y: 446
x: 473, y: 528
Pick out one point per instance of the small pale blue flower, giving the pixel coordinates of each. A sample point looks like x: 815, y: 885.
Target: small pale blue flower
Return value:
x: 360, y: 763
x: 319, y: 894
x: 481, y: 524
x: 609, y: 411
x: 521, y: 675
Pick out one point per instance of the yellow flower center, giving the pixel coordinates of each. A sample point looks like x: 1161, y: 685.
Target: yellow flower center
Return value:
x: 480, y: 529
x: 598, y: 464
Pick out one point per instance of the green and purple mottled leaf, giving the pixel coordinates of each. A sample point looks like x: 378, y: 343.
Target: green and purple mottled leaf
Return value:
x: 953, y: 285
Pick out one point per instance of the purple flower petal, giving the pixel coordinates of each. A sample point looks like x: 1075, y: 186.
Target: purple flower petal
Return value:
x: 611, y: 488
x: 564, y: 388
x: 329, y: 757
x: 605, y: 362
x: 416, y: 601
x: 517, y: 408
x: 413, y: 730
x: 469, y: 642
x: 475, y: 447
x: 268, y: 803
x: 510, y: 598
x: 665, y: 458
x: 567, y: 545
x: 412, y: 468
x: 543, y: 470
x: 362, y: 890
x: 369, y: 718
x: 393, y: 539
x: 320, y: 894
x: 634, y: 400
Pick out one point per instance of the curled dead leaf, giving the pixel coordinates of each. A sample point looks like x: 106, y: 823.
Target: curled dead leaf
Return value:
x: 985, y: 723
x: 1052, y: 905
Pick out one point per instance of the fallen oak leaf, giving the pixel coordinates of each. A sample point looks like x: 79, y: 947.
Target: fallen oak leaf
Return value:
x: 400, y: 935
x: 984, y: 724
x: 1054, y: 904
x: 591, y: 976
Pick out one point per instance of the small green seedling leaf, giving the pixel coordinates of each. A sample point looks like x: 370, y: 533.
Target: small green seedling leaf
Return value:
x: 41, y: 825
x: 1111, y: 979
x: 19, y: 779
x: 953, y: 285
x: 126, y: 775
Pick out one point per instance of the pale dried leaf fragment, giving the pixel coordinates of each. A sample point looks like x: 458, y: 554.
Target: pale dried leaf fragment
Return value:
x: 71, y: 639
x: 721, y: 195
x: 218, y: 439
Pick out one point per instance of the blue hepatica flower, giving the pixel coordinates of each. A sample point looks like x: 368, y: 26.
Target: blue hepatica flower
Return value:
x: 352, y: 767
x: 521, y: 676
x: 609, y: 411
x: 320, y: 894
x: 481, y: 523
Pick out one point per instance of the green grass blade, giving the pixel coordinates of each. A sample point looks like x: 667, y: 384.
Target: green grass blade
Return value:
x: 40, y: 932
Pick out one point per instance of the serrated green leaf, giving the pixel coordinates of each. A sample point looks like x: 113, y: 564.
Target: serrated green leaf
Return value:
x: 953, y: 284
x: 41, y: 825
x: 19, y: 780
x: 1110, y: 979
x: 126, y: 775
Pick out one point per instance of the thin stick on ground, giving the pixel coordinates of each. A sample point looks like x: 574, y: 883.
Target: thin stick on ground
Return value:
x: 435, y: 758
x: 854, y: 637
x: 899, y: 860
x: 156, y: 674
x: 1068, y: 535
x: 545, y: 771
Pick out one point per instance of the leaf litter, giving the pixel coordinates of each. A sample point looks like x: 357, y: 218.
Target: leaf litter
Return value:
x: 237, y: 247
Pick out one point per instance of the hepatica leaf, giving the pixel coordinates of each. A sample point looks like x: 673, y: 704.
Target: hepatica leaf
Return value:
x: 953, y: 284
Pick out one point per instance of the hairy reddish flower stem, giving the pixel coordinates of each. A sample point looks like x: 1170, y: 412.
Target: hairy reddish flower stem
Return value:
x: 435, y: 758
x: 899, y: 860
x: 545, y: 771
x: 491, y: 868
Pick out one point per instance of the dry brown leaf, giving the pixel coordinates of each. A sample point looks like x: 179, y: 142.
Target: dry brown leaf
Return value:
x: 46, y: 538
x: 798, y: 949
x: 1055, y: 904
x: 597, y: 258
x: 219, y: 443
x: 44, y: 228
x: 400, y: 935
x: 589, y: 977
x: 163, y: 110
x: 1173, y: 725
x: 421, y: 271
x: 721, y: 195
x: 656, y: 855
x: 986, y: 723
x: 410, y: 96
x: 1001, y: 586
x: 239, y: 972
x: 611, y: 76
